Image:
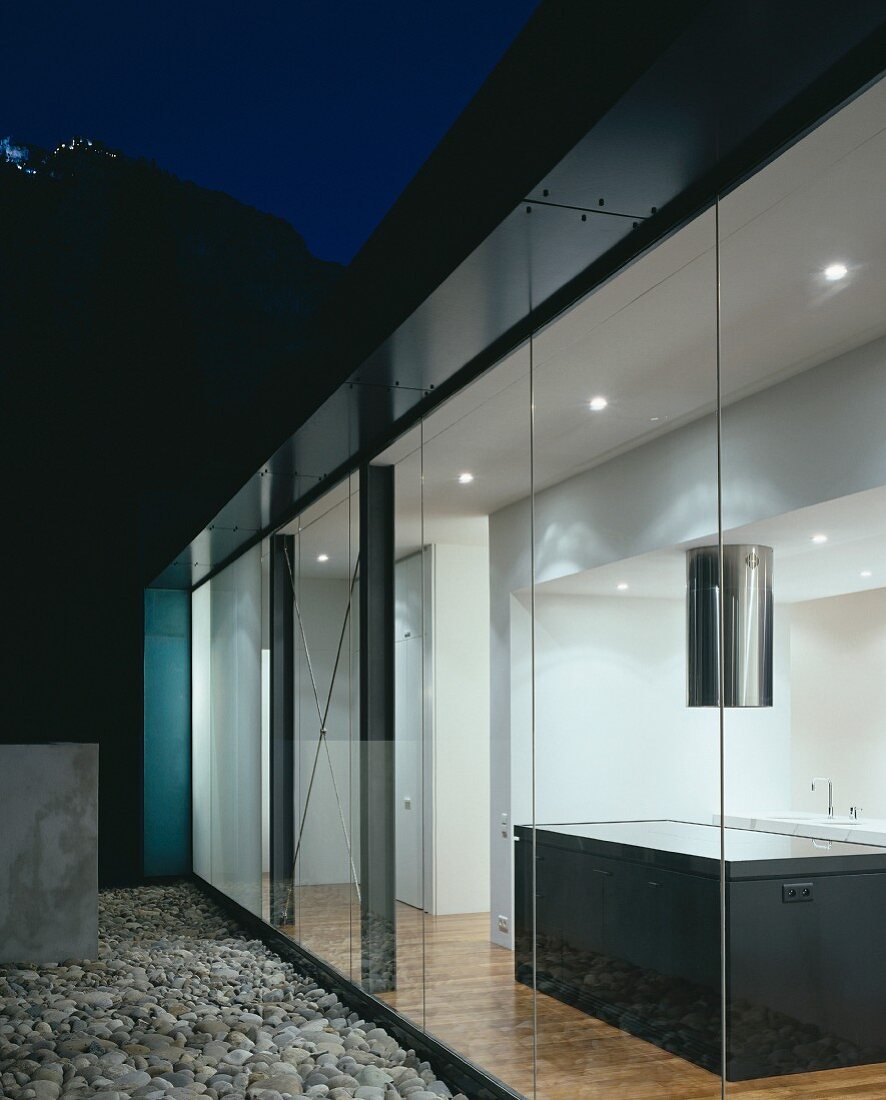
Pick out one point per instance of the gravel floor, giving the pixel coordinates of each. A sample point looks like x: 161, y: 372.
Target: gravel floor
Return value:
x: 181, y: 1005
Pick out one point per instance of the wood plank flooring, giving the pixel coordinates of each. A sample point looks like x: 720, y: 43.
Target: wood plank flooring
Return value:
x: 460, y: 987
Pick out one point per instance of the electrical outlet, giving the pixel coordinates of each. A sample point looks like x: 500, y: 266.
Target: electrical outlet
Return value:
x: 502, y: 924
x: 796, y: 891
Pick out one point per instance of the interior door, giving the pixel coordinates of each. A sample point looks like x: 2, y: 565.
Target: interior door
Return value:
x: 408, y: 732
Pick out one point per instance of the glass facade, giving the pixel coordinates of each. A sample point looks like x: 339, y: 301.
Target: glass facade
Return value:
x: 227, y: 733
x: 585, y: 671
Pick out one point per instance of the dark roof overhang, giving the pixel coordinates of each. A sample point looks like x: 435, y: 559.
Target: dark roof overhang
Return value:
x: 653, y: 108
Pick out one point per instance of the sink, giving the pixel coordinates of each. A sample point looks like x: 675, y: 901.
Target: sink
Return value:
x: 867, y: 830
x: 811, y: 819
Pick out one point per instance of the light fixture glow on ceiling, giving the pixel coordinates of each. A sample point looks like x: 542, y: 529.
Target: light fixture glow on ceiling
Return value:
x: 322, y: 557
x: 835, y: 272
x: 819, y: 539
x: 465, y: 478
x: 622, y: 587
x: 865, y: 573
x: 597, y: 404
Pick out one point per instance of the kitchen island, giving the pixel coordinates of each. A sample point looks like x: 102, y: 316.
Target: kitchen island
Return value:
x: 628, y: 929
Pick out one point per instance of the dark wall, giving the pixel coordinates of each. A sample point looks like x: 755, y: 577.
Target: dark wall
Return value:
x: 127, y: 302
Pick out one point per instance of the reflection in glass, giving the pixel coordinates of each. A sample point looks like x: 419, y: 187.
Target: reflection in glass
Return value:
x: 321, y: 903
x: 802, y: 262
x: 633, y: 623
x: 626, y: 955
x: 456, y: 706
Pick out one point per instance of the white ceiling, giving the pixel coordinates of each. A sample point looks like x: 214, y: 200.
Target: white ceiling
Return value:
x: 647, y: 341
x: 328, y: 527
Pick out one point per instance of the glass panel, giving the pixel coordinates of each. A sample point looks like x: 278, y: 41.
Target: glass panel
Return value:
x: 235, y: 730
x: 325, y: 902
x: 266, y: 727
x: 201, y: 811
x: 476, y: 552
x: 411, y: 808
x: 803, y: 286
x: 627, y: 779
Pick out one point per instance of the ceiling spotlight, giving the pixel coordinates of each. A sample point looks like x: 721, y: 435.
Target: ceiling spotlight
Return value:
x: 622, y: 587
x: 865, y: 573
x: 598, y: 404
x: 835, y: 272
x: 654, y: 419
x: 465, y: 478
x: 322, y: 557
x: 819, y: 539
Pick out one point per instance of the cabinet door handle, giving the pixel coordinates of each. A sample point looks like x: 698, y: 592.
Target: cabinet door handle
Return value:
x: 598, y: 871
x: 651, y: 883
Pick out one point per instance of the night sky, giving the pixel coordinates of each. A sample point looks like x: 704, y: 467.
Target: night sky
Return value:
x: 320, y: 112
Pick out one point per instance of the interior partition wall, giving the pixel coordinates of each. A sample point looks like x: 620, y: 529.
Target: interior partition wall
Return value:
x: 605, y: 817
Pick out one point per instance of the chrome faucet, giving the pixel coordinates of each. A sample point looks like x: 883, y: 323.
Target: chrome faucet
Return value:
x: 855, y: 812
x: 824, y: 779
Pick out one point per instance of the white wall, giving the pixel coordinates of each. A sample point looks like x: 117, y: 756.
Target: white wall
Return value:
x: 443, y: 746
x: 460, y: 619
x: 614, y: 737
x: 838, y: 667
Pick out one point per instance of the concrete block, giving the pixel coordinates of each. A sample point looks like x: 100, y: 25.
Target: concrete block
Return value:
x: 48, y: 852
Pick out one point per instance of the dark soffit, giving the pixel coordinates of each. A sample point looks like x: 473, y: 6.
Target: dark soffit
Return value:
x: 661, y: 111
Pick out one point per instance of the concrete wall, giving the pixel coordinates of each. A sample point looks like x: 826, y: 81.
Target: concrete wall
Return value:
x: 48, y: 853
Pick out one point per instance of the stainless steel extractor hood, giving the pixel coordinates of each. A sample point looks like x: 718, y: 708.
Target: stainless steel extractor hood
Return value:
x: 747, y: 626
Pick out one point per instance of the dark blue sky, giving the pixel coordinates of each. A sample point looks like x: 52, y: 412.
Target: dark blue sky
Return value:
x: 320, y: 112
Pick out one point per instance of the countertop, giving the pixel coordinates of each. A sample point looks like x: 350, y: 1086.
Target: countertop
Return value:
x: 695, y: 849
x: 863, y: 831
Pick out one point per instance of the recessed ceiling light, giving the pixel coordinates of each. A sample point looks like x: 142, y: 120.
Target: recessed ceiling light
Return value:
x: 598, y: 404
x: 835, y: 272
x: 865, y: 573
x: 322, y: 557
x: 465, y: 478
x: 654, y: 419
x: 819, y: 539
x: 622, y: 587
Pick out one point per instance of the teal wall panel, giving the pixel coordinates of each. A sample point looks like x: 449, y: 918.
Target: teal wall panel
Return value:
x: 167, y: 733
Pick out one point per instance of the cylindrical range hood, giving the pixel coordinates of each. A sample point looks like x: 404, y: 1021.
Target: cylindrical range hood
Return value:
x: 747, y: 626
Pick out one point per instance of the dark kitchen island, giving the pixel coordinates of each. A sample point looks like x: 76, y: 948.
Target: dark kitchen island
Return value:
x: 628, y: 930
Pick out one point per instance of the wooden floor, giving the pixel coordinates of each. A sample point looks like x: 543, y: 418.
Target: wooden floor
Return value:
x: 460, y: 987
